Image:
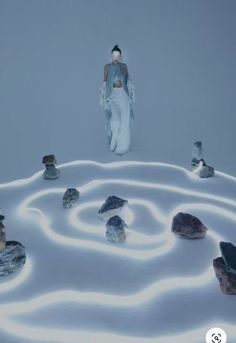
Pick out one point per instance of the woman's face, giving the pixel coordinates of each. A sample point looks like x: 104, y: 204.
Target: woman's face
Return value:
x: 115, y: 56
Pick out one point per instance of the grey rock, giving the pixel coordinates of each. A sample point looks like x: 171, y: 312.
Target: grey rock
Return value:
x: 49, y: 159
x: 115, y: 229
x: 51, y: 172
x: 228, y: 251
x: 70, y: 197
x: 2, y: 234
x: 198, y: 163
x: 197, y: 150
x: 205, y: 171
x: 111, y: 207
x: 12, y: 258
x: 185, y: 225
x: 226, y: 279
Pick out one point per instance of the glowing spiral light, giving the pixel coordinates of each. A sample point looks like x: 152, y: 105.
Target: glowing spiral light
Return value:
x: 139, y: 247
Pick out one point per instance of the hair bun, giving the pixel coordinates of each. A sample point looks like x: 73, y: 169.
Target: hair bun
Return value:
x: 116, y: 46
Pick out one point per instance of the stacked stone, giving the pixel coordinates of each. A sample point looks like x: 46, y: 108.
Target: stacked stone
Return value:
x: 115, y: 226
x: 198, y: 163
x: 225, y: 268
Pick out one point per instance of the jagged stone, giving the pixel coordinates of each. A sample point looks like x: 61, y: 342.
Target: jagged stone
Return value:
x: 111, y: 207
x: 226, y: 279
x: 70, y: 197
x: 49, y: 159
x: 2, y: 234
x: 51, y: 172
x: 205, y: 171
x: 228, y: 251
x: 185, y: 225
x: 198, y: 163
x: 12, y: 258
x: 197, y: 150
x: 115, y: 229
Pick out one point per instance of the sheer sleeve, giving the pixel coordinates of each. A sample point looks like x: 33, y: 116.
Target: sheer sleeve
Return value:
x: 131, y: 89
x: 102, y: 94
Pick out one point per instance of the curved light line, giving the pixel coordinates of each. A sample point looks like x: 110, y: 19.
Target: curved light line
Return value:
x: 82, y: 336
x: 128, y: 217
x: 22, y: 276
x: 138, y: 254
x: 141, y: 297
x: 110, y: 165
x: 128, y: 300
x: 102, y: 247
x: 100, y: 182
x: 113, y: 300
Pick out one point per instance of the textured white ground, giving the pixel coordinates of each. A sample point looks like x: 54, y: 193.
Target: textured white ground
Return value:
x: 77, y: 287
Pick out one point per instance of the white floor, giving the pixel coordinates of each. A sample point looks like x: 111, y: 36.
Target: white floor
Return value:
x: 77, y: 287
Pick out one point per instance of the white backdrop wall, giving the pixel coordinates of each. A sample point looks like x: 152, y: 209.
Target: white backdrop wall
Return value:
x: 180, y: 53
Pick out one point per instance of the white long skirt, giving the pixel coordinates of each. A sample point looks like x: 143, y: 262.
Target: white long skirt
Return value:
x: 119, y: 104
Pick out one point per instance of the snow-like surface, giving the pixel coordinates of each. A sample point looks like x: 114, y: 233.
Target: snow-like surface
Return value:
x: 77, y: 287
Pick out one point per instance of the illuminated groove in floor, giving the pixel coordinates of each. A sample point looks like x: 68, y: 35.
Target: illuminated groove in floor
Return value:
x: 81, y: 336
x: 22, y: 276
x: 110, y: 165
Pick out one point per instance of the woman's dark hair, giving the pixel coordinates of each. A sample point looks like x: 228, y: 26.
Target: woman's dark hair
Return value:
x: 116, y: 48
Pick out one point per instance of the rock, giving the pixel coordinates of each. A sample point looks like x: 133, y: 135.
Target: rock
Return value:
x: 188, y: 226
x: 197, y: 150
x: 115, y: 229
x: 226, y: 279
x: 205, y: 171
x: 51, y: 172
x: 12, y: 258
x: 228, y: 251
x: 198, y: 163
x: 2, y: 234
x: 111, y: 207
x: 70, y: 197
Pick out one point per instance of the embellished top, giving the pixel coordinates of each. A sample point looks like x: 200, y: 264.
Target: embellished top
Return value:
x: 116, y: 72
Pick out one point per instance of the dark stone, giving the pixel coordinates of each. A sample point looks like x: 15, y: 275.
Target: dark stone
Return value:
x: 12, y: 258
x: 228, y: 251
x: 2, y: 234
x: 51, y: 172
x: 70, y: 197
x: 115, y: 229
x: 111, y: 207
x: 185, y: 225
x: 226, y: 279
x: 197, y: 150
x: 196, y: 163
x: 205, y: 171
x: 49, y: 159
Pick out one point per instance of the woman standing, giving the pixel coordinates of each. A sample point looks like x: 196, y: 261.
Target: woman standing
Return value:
x: 117, y: 98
